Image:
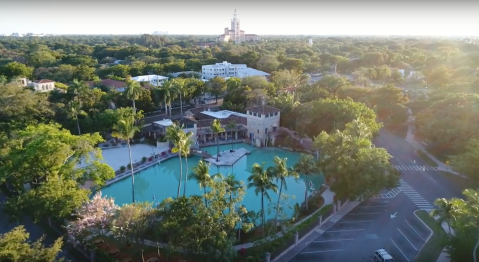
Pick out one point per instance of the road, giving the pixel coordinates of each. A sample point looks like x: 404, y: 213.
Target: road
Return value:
x: 374, y: 224
x: 428, y: 182
x: 33, y: 229
x: 387, y: 220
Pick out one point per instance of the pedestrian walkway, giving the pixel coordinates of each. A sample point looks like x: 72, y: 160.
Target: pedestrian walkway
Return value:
x: 415, y: 168
x: 390, y: 194
x: 415, y: 197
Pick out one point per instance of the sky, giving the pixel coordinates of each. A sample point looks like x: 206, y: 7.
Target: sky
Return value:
x: 298, y: 17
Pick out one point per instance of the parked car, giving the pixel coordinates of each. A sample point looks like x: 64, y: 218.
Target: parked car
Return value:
x: 382, y: 255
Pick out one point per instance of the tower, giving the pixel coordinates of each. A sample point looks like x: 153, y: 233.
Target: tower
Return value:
x: 235, y: 26
x: 310, y: 42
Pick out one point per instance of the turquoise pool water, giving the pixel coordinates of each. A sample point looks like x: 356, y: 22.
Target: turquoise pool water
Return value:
x: 161, y: 180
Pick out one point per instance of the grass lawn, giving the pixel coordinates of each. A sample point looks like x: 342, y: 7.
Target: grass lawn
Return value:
x: 425, y: 158
x: 436, y: 243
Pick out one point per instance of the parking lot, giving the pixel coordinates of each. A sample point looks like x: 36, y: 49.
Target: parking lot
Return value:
x: 408, y: 239
x: 363, y: 230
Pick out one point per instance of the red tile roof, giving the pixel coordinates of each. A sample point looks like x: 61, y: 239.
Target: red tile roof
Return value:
x: 44, y: 81
x: 109, y: 83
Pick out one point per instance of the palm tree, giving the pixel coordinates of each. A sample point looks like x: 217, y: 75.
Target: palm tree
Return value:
x: 231, y: 126
x: 125, y: 130
x: 185, y: 151
x: 280, y: 172
x: 260, y: 180
x: 179, y: 89
x: 133, y: 91
x: 233, y: 184
x: 176, y: 136
x: 74, y: 88
x: 444, y: 211
x: 166, y: 90
x: 74, y: 109
x: 216, y: 128
x: 201, y: 173
x: 307, y: 167
x: 468, y: 211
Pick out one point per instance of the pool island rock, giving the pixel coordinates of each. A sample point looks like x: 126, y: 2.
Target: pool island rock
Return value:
x: 228, y: 158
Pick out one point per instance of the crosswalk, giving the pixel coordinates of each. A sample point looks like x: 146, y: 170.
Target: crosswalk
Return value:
x: 416, y: 168
x: 415, y: 197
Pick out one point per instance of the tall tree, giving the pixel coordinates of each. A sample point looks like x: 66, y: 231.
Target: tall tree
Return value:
x: 133, y: 91
x: 232, y: 125
x: 444, y: 211
x: 74, y: 110
x: 15, y: 246
x: 280, y: 171
x: 216, y: 86
x: 351, y: 163
x: 125, y: 129
x: 233, y: 184
x: 216, y: 129
x: 306, y: 167
x: 201, y: 173
x: 61, y: 152
x: 180, y: 90
x: 187, y: 141
x: 93, y: 217
x: 262, y: 183
x: 181, y: 145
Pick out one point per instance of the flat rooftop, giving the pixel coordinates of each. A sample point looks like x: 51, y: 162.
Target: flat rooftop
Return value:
x: 164, y: 122
x: 222, y: 114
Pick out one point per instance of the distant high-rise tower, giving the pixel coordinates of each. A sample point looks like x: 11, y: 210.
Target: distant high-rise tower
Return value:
x: 235, y: 34
x: 235, y: 26
x: 310, y: 42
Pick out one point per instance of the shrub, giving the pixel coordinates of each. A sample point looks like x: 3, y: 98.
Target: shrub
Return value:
x: 122, y: 168
x: 143, y: 159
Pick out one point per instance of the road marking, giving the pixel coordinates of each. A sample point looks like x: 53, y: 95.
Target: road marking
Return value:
x: 332, y: 240
x: 358, y: 214
x: 406, y: 239
x: 322, y: 251
x: 359, y: 221
x: 414, y: 230
x: 399, y: 249
x: 346, y: 230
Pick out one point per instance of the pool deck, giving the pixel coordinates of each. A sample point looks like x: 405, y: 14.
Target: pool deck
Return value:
x: 228, y: 158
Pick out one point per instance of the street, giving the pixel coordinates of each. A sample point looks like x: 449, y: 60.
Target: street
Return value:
x: 426, y: 180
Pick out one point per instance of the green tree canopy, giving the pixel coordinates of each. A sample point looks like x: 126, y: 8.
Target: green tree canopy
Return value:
x: 15, y: 247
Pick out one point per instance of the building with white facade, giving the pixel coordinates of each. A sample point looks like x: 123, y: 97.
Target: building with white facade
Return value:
x: 43, y: 85
x: 235, y: 34
x: 154, y: 80
x: 261, y: 121
x: 227, y: 70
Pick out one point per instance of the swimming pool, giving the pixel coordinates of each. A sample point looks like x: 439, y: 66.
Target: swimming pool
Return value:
x: 161, y: 181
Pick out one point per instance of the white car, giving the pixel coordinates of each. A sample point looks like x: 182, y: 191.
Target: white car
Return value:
x: 382, y: 255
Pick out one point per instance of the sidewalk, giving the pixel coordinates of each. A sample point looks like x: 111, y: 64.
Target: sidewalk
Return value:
x: 410, y: 137
x: 291, y: 252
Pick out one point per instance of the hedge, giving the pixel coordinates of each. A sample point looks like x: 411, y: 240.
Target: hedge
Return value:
x: 278, y: 245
